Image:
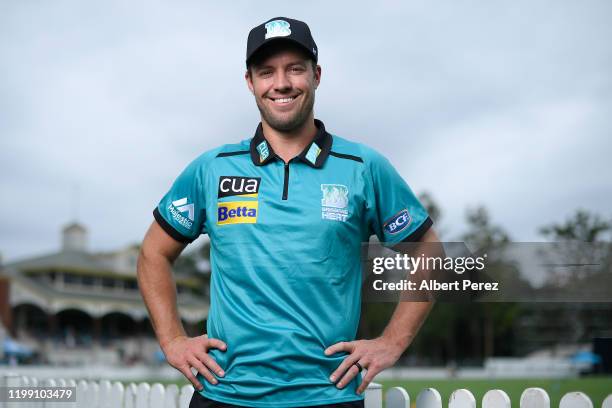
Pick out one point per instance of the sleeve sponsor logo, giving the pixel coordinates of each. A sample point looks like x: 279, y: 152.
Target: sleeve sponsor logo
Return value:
x: 238, y: 186
x: 398, y: 222
x: 180, y: 206
x: 237, y: 212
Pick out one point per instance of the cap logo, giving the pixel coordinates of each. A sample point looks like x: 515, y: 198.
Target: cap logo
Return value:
x: 277, y: 28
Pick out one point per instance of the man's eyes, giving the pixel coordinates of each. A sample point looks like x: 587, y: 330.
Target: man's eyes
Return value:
x: 269, y: 72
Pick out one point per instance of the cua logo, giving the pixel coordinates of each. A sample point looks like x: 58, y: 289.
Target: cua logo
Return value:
x: 238, y: 186
x: 398, y: 222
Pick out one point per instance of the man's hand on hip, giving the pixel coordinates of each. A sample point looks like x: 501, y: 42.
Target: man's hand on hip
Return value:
x: 184, y: 352
x: 372, y: 355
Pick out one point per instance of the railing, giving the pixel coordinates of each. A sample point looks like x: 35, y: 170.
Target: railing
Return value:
x: 104, y: 394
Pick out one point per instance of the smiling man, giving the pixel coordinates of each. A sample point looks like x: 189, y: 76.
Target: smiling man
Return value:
x: 286, y: 212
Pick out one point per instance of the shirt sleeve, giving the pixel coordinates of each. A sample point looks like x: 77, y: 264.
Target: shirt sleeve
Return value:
x: 182, y: 211
x: 394, y: 212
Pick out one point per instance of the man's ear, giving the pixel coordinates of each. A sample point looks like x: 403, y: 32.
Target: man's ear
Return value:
x: 249, y: 81
x: 317, y: 75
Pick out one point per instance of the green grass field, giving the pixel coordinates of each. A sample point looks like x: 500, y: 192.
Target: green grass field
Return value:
x: 597, y: 388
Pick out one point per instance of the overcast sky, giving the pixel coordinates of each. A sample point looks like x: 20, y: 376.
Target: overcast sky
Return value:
x: 102, y: 104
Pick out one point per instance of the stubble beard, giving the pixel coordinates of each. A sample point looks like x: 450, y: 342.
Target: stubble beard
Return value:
x: 287, y: 124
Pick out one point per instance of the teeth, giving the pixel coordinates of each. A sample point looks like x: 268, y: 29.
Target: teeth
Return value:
x: 283, y: 100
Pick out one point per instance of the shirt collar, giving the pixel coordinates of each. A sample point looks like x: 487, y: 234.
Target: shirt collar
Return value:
x: 314, y: 154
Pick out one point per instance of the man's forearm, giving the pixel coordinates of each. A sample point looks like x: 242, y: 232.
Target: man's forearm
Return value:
x: 409, y: 316
x: 159, y: 293
x: 405, y: 323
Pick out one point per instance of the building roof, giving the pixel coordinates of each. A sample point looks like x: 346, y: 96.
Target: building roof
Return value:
x: 74, y: 226
x: 62, y: 259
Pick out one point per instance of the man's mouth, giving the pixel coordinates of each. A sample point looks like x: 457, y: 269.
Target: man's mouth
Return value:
x: 284, y: 100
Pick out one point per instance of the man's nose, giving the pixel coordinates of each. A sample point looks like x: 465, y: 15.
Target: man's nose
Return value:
x: 281, y: 81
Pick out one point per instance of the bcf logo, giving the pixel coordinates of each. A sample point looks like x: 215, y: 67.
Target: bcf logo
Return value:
x: 398, y: 222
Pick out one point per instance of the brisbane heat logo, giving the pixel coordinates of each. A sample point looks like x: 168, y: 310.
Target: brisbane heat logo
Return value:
x: 277, y: 28
x: 398, y: 222
x: 334, y: 202
x: 238, y: 212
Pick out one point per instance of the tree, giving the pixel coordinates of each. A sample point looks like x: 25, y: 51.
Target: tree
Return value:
x: 582, y: 226
x: 430, y: 205
x: 481, y: 233
x: 582, y: 243
x: 490, y: 321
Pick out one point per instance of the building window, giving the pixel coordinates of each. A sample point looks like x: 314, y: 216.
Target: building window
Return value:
x: 108, y: 282
x: 71, y: 278
x: 131, y: 284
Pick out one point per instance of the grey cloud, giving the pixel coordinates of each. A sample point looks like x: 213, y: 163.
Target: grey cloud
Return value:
x: 505, y: 104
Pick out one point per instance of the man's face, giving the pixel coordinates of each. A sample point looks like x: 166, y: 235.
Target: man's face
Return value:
x: 284, y: 84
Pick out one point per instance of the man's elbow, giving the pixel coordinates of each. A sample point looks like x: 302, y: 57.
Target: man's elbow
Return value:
x: 432, y: 243
x: 430, y: 236
x: 145, y: 257
x: 149, y: 256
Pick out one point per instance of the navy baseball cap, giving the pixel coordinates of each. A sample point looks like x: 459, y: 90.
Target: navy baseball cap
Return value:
x: 281, y: 28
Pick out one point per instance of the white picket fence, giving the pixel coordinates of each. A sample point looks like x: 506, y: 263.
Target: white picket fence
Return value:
x: 104, y: 394
x: 531, y: 398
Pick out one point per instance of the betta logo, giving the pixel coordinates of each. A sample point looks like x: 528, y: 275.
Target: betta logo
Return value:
x: 398, y: 222
x: 237, y: 212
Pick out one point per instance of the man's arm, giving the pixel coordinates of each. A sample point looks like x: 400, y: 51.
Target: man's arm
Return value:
x: 409, y: 316
x: 158, y: 290
x: 156, y: 283
x: 377, y: 354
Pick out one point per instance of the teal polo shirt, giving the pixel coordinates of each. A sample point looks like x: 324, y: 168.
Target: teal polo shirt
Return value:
x: 285, y: 258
